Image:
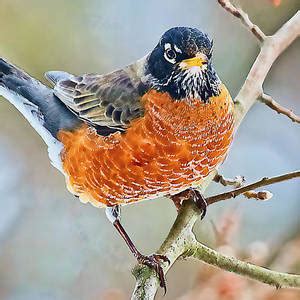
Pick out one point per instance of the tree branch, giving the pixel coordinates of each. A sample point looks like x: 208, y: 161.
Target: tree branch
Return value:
x: 263, y: 182
x: 181, y: 236
x: 269, y: 101
x: 234, y: 265
x: 239, y: 13
x: 272, y: 47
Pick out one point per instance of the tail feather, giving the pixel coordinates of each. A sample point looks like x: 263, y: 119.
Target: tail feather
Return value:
x: 37, y: 103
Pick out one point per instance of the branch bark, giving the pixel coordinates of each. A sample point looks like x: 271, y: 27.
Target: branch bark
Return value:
x: 181, y: 240
x: 231, y: 264
x: 272, y: 47
x: 270, y: 102
x: 239, y: 13
x: 263, y: 182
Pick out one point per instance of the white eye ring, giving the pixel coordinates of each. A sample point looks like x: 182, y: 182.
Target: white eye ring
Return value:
x: 170, y: 55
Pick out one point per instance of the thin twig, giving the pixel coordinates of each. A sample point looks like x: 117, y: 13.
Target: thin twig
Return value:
x: 237, y: 181
x: 272, y: 47
x: 239, y: 13
x: 263, y: 182
x: 232, y: 264
x: 269, y: 101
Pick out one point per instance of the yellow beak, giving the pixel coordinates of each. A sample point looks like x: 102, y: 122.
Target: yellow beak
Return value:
x: 198, y: 61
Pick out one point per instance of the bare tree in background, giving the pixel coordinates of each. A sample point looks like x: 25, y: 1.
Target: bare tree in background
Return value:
x: 181, y: 241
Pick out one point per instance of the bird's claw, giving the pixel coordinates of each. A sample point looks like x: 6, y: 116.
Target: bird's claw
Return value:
x: 153, y: 261
x: 163, y: 258
x: 193, y: 194
x: 200, y: 202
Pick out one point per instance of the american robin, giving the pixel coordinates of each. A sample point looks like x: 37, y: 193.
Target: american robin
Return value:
x: 157, y: 127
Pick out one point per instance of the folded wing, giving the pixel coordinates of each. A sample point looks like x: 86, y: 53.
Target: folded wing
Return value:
x: 108, y: 101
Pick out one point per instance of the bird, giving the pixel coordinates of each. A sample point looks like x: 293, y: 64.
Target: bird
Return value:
x: 155, y: 128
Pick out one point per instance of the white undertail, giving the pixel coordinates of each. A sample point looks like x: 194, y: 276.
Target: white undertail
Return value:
x: 33, y: 115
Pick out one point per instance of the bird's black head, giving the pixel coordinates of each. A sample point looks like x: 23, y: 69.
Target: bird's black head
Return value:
x: 181, y: 65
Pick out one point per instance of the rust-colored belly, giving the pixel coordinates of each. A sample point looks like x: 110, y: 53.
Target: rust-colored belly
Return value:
x: 173, y: 147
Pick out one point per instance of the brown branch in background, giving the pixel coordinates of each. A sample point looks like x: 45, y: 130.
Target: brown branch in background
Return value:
x: 239, y: 13
x: 236, y: 182
x: 263, y: 182
x: 269, y: 101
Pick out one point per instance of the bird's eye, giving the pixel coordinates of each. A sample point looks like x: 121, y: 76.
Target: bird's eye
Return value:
x: 170, y: 55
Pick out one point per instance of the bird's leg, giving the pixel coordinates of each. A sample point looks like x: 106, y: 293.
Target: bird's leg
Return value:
x: 152, y: 261
x: 193, y: 194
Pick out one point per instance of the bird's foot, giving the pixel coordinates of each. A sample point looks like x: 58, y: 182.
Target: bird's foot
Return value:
x: 200, y: 202
x: 193, y: 194
x: 154, y: 261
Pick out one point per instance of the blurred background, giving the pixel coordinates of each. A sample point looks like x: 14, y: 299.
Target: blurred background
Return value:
x: 52, y: 247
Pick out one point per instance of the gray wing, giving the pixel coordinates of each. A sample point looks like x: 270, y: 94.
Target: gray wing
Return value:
x: 112, y: 100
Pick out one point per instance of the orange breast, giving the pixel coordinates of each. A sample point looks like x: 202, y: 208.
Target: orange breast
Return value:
x: 173, y: 147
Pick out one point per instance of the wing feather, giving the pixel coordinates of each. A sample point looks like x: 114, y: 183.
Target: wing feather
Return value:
x: 112, y: 100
